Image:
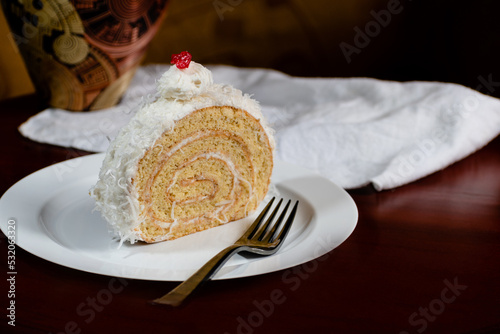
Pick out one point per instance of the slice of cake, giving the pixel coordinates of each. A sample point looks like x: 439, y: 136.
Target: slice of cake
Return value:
x: 200, y: 156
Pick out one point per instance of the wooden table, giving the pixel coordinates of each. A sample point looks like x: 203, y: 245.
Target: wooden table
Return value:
x: 424, y: 258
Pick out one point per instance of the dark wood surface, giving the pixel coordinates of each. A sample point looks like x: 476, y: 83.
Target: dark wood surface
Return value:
x: 424, y: 258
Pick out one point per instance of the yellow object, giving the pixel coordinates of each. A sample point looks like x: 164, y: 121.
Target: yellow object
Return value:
x: 14, y: 78
x: 220, y: 174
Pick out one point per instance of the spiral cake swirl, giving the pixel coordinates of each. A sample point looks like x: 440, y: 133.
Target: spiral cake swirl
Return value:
x: 200, y: 156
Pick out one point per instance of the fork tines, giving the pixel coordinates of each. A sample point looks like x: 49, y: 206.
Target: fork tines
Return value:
x: 260, y: 230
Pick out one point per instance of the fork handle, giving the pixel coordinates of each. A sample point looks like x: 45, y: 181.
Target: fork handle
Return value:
x: 183, y: 290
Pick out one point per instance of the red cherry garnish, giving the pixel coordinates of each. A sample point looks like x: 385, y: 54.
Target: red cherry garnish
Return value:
x: 181, y: 60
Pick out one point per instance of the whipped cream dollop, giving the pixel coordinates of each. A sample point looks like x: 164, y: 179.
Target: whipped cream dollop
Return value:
x: 186, y: 83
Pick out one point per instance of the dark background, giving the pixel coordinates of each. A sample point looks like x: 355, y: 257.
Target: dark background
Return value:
x: 450, y: 41
x: 443, y: 40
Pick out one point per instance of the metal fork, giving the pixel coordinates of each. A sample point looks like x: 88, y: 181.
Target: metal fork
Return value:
x: 261, y: 239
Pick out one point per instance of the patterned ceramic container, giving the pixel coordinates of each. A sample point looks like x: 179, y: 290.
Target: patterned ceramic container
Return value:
x: 82, y: 54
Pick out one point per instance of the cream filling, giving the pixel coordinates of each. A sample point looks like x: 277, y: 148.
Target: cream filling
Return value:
x: 220, y: 206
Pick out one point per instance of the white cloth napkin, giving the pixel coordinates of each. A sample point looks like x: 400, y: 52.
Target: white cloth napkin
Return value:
x: 354, y: 131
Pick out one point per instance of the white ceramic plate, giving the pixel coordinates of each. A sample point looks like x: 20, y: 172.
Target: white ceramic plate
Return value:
x: 54, y: 220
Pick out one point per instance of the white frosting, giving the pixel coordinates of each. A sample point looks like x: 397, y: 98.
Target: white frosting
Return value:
x: 181, y: 91
x: 184, y: 84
